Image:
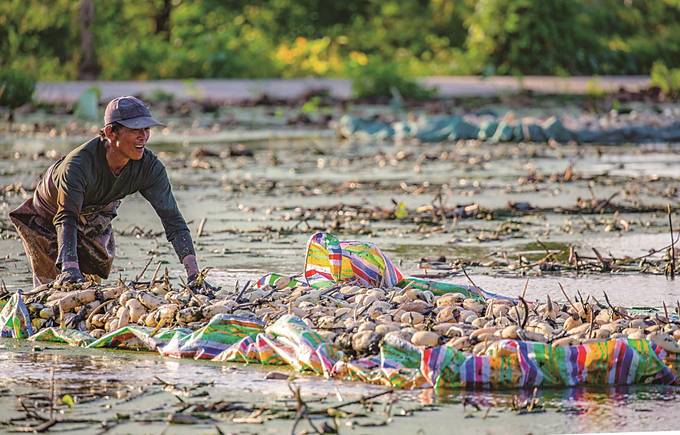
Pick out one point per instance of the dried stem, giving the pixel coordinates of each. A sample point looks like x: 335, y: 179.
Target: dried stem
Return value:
x: 155, y: 274
x: 614, y: 310
x: 201, y: 225
x: 524, y: 290
x: 363, y: 399
x: 468, y: 277
x: 146, y: 266
x: 52, y: 394
x: 526, y: 312
x: 670, y: 224
x: 567, y: 297
x: 243, y: 290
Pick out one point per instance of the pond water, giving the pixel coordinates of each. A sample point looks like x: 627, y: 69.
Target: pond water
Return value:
x: 255, y: 222
x: 106, y: 385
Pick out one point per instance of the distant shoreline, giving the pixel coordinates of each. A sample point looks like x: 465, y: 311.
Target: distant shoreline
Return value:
x: 235, y: 91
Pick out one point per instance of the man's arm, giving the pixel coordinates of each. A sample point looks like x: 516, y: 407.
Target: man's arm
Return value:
x: 159, y: 194
x: 70, y: 186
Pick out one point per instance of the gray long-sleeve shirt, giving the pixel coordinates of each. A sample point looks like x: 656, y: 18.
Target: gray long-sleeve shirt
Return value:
x: 83, y: 179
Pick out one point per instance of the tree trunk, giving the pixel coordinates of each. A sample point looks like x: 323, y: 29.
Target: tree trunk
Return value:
x: 163, y: 20
x: 88, y: 69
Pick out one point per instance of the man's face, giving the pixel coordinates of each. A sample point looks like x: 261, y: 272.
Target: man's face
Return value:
x: 130, y: 142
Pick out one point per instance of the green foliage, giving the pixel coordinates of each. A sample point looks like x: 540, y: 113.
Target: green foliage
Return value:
x: 160, y: 95
x: 318, y: 57
x: 67, y: 400
x: 312, y: 105
x: 667, y: 79
x: 183, y: 39
x: 16, y: 88
x: 529, y: 37
x: 40, y: 37
x: 206, y: 40
x: 594, y: 89
x: 426, y: 35
x: 383, y: 79
x: 632, y: 35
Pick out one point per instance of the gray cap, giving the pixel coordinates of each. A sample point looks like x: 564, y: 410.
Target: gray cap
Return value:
x: 130, y: 112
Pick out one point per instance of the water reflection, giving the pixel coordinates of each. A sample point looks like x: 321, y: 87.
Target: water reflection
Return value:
x: 90, y: 375
x: 28, y: 367
x: 587, y: 407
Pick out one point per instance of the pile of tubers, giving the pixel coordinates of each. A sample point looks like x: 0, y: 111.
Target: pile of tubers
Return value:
x: 354, y: 318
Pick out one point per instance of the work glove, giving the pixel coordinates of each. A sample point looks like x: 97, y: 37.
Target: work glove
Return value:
x: 69, y: 275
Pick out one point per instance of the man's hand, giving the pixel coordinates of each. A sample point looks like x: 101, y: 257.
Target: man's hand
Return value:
x: 197, y: 282
x: 192, y: 280
x: 69, y: 275
x: 196, y: 277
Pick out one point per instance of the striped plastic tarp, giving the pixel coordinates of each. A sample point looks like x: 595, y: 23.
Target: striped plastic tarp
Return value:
x: 15, y: 321
x: 512, y: 363
x: 72, y: 337
x: 290, y: 341
x: 219, y: 334
x: 329, y: 261
x: 506, y: 364
x: 256, y: 350
x: 134, y: 337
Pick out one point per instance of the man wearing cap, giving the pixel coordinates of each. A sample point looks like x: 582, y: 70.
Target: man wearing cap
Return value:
x: 66, y: 226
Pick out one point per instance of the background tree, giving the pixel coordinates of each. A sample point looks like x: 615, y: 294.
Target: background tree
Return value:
x: 88, y: 68
x: 162, y: 18
x: 529, y: 37
x: 40, y: 37
x: 59, y: 39
x: 16, y: 89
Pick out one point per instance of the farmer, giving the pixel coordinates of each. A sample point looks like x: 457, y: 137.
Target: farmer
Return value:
x: 66, y: 226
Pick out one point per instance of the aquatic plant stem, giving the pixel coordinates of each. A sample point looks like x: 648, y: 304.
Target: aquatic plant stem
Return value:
x: 468, y: 277
x: 242, y: 291
x: 526, y: 312
x: 524, y: 290
x: 567, y: 297
x: 141, y: 274
x: 614, y: 310
x: 201, y: 225
x: 155, y: 274
x: 52, y: 393
x: 670, y: 224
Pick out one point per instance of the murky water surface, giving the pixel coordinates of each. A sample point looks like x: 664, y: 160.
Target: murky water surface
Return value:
x: 108, y: 384
x: 254, y: 206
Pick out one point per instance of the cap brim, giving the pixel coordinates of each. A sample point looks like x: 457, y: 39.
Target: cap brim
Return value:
x: 140, y: 122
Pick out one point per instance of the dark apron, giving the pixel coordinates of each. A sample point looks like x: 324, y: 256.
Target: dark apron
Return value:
x: 96, y: 244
